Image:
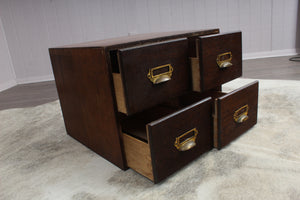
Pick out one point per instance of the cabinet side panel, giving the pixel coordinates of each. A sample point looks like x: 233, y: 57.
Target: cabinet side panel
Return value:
x: 84, y: 86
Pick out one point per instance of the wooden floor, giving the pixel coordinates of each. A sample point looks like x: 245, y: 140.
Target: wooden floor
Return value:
x: 272, y: 68
x: 28, y: 95
x: 39, y: 93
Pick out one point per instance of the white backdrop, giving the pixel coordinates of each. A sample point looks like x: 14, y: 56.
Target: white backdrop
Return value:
x: 32, y: 26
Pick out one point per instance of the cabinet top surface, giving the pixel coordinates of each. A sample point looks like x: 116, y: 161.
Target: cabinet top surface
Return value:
x: 127, y: 41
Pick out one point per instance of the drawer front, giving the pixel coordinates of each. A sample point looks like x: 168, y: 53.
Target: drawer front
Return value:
x: 235, y: 113
x: 179, y: 138
x: 153, y: 73
x: 220, y: 58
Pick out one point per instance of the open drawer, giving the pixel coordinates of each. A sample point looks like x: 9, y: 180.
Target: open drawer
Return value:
x: 160, y: 141
x: 147, y: 75
x: 218, y: 60
x: 234, y: 113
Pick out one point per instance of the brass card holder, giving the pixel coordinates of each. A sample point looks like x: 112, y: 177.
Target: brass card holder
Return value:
x: 162, y: 77
x: 224, y: 60
x: 241, y: 114
x: 187, y: 143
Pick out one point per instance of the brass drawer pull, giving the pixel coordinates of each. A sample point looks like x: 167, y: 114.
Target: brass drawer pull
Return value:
x: 241, y: 114
x: 224, y: 60
x: 187, y: 143
x: 162, y: 77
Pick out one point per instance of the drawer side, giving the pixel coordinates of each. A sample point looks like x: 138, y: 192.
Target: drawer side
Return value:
x: 138, y: 156
x: 119, y: 92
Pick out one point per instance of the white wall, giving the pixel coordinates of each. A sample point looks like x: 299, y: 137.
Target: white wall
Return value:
x: 32, y: 26
x: 7, y: 77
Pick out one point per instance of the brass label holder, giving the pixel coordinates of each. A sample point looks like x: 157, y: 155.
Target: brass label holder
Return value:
x: 224, y: 63
x: 241, y: 114
x: 162, y: 77
x: 187, y: 143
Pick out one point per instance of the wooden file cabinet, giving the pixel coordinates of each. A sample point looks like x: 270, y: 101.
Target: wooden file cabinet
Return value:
x: 154, y: 102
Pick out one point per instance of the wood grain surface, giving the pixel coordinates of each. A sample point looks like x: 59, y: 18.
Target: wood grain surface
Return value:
x: 227, y: 129
x: 138, y: 156
x: 209, y: 49
x: 135, y: 63
x: 84, y: 86
x: 140, y: 39
x: 166, y: 158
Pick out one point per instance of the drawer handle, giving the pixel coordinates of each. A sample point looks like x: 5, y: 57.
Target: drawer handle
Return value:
x: 241, y: 114
x: 224, y: 60
x: 187, y: 143
x: 162, y: 77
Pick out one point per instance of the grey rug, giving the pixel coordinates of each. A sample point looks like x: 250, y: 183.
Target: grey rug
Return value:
x: 39, y: 161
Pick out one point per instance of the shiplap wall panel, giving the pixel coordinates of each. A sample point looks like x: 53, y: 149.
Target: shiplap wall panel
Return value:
x: 166, y: 15
x: 7, y: 77
x: 211, y: 13
x: 245, y: 26
x: 177, y: 14
x: 141, y: 11
x: 233, y: 21
x: 200, y: 17
x: 266, y: 25
x: 222, y: 15
x: 290, y: 12
x: 278, y: 24
x: 32, y: 26
x: 154, y: 19
x: 120, y: 23
x: 11, y: 34
x: 188, y: 14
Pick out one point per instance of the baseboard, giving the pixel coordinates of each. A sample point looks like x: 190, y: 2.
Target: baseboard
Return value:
x: 12, y: 83
x: 7, y: 85
x: 268, y: 54
x: 35, y: 79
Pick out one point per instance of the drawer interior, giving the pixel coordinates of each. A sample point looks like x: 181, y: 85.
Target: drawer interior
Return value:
x: 135, y: 125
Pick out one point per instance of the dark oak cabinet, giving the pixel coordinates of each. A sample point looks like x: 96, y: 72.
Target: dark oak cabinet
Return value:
x: 154, y: 102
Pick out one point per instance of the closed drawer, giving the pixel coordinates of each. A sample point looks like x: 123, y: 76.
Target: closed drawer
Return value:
x: 149, y: 74
x: 158, y: 148
x: 219, y: 60
x: 235, y: 113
